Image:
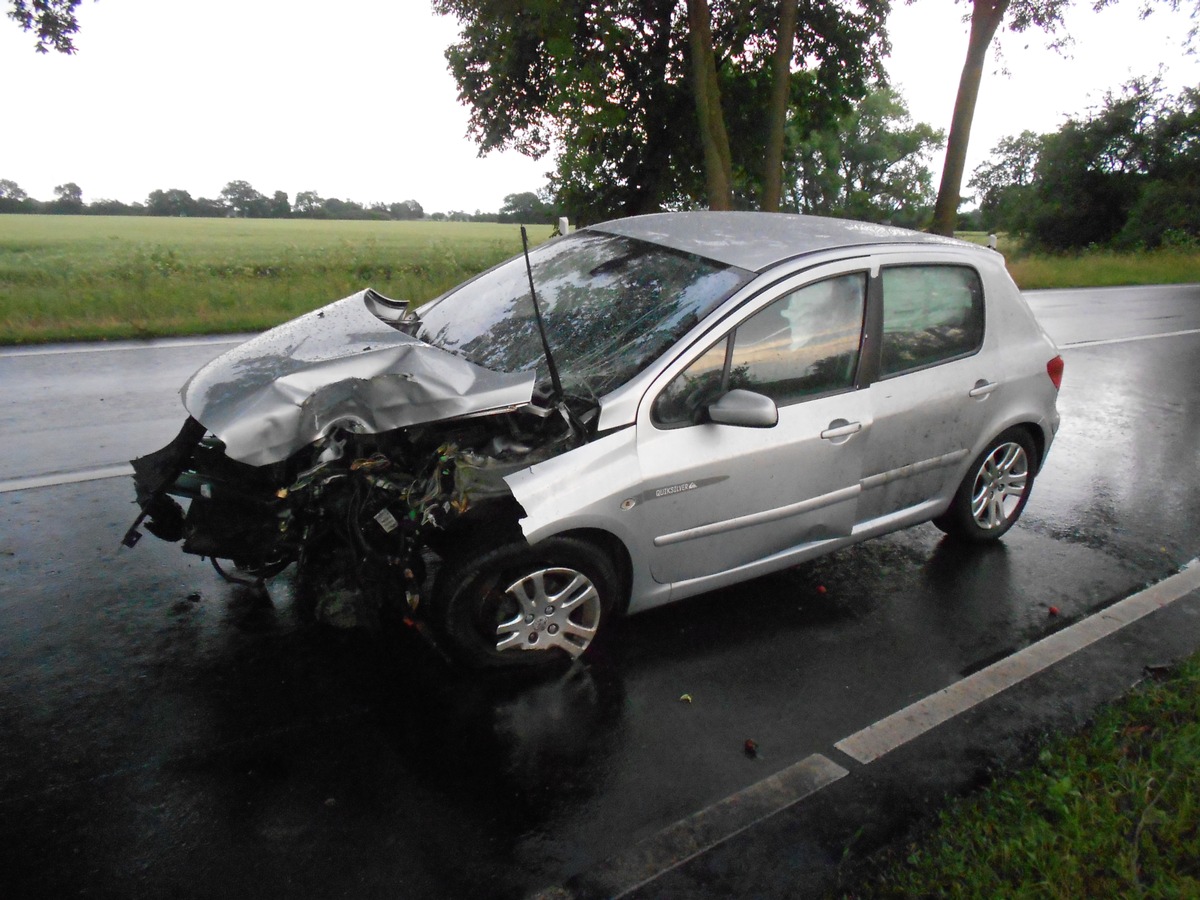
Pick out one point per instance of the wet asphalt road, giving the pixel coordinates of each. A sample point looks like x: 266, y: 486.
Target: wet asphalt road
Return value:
x: 164, y: 733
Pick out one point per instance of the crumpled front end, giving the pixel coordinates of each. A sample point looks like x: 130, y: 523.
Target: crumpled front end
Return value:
x: 342, y: 444
x: 347, y: 365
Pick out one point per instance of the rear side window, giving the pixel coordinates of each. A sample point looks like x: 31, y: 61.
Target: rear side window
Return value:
x: 931, y: 314
x: 802, y: 345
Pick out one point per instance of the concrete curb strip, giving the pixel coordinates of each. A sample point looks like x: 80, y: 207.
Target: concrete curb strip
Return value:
x: 901, y: 727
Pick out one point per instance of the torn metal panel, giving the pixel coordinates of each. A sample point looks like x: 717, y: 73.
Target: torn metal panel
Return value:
x: 583, y: 487
x: 343, y: 365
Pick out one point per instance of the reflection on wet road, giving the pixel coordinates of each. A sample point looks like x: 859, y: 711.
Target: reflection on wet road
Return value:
x: 164, y: 733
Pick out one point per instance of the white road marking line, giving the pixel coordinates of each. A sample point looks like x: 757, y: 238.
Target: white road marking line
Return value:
x: 39, y: 481
x: 688, y: 838
x: 16, y: 352
x: 1129, y: 340
x: 901, y: 727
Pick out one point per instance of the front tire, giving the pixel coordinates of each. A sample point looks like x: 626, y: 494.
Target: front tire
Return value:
x: 518, y: 605
x: 995, y: 490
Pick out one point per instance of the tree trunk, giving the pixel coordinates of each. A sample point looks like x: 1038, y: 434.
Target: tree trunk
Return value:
x: 986, y: 16
x: 718, y: 166
x: 781, y: 82
x: 654, y: 176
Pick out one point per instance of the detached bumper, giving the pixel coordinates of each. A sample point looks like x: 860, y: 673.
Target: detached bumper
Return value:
x: 153, y: 474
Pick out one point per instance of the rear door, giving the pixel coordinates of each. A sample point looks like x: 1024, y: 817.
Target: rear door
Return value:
x: 936, y: 376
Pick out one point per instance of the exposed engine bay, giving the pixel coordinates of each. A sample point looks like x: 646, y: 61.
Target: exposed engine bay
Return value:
x: 355, y: 511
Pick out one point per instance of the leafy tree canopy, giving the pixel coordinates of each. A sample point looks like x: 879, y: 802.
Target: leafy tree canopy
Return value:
x: 69, y: 195
x: 53, y: 22
x: 308, y: 203
x: 174, y: 202
x: 10, y: 190
x: 873, y: 164
x: 1126, y: 175
x: 527, y: 207
x: 1011, y: 164
x: 607, y: 86
x: 243, y: 200
x: 278, y: 206
x: 406, y: 209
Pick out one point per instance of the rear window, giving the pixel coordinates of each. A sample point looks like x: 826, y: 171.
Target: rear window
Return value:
x: 931, y: 314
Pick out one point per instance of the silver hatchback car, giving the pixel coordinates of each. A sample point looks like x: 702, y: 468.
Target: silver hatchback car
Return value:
x: 641, y: 411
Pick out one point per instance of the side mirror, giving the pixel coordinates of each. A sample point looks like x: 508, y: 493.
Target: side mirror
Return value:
x: 744, y: 408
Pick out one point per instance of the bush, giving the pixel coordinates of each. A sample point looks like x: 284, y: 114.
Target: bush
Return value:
x: 1167, y: 213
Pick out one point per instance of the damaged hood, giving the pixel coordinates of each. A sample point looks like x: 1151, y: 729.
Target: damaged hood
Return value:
x: 342, y: 365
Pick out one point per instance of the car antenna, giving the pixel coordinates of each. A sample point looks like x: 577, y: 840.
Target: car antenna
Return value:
x: 555, y: 381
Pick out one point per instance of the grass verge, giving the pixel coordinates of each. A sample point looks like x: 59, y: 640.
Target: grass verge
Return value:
x: 1111, y: 812
x: 1103, y: 268
x: 1093, y: 268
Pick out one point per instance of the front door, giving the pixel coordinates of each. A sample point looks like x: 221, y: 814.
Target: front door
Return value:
x: 717, y: 496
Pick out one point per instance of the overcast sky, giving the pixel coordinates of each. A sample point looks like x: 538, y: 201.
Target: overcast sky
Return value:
x: 353, y: 100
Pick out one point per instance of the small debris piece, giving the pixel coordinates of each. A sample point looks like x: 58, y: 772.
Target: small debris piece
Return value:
x: 331, y: 802
x: 751, y: 748
x: 685, y: 698
x: 820, y: 589
x: 1053, y: 610
x: 193, y: 597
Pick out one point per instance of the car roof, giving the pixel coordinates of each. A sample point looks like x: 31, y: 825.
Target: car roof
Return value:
x: 757, y: 241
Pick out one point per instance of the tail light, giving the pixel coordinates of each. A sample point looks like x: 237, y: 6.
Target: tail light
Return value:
x: 1054, y: 369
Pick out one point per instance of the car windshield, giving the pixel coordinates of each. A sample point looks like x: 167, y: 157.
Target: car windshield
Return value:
x: 611, y: 305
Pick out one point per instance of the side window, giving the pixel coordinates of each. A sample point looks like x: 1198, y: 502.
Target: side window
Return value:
x: 931, y: 314
x: 805, y: 343
x: 696, y: 386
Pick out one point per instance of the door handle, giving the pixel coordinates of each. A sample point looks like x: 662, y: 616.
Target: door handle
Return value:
x: 982, y: 388
x: 839, y: 428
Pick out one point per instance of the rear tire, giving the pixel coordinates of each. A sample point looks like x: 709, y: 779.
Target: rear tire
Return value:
x: 517, y: 605
x: 995, y: 490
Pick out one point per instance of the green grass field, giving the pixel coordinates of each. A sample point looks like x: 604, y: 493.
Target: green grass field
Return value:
x: 96, y: 277
x: 65, y: 278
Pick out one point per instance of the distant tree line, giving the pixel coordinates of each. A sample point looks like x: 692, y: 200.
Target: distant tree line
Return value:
x: 1126, y: 176
x: 239, y: 199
